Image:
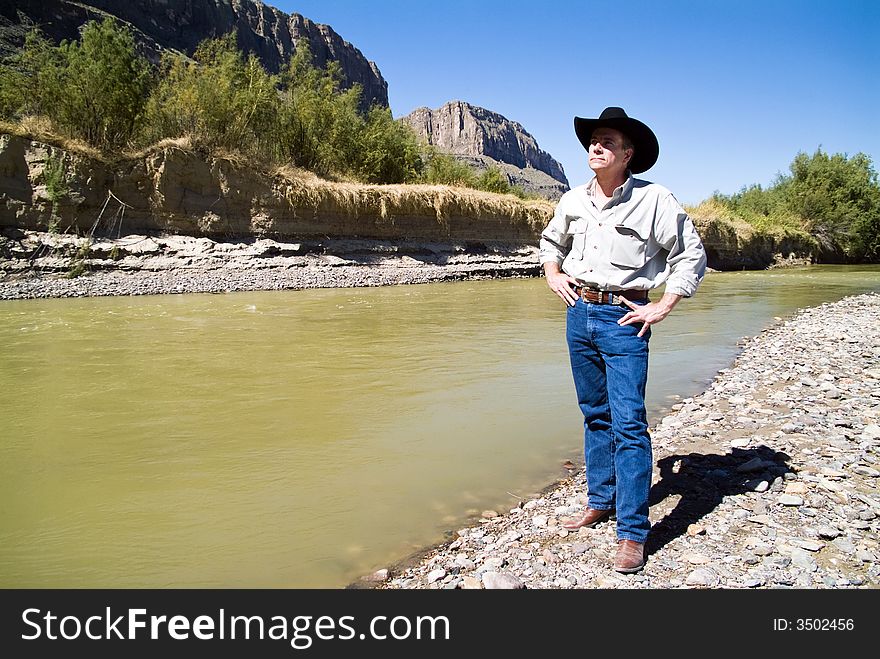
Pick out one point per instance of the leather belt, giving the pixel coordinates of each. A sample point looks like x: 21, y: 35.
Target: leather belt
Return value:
x: 597, y: 296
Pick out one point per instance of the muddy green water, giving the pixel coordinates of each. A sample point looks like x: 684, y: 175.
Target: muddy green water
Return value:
x: 305, y: 438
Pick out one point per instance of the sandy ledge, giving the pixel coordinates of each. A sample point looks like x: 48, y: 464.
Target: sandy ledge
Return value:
x: 768, y: 479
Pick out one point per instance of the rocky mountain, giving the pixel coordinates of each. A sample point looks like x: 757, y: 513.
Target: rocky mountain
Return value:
x: 484, y: 138
x: 180, y: 25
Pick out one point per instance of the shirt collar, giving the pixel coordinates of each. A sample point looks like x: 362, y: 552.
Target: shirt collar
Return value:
x: 620, y: 192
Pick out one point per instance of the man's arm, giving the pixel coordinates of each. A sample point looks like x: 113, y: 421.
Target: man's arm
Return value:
x: 675, y: 231
x: 687, y: 264
x: 555, y: 243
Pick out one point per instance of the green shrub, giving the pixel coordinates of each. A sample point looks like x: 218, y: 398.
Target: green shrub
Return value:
x: 493, y: 180
x: 319, y: 122
x: 443, y: 169
x: 93, y: 89
x: 220, y: 99
x: 388, y: 150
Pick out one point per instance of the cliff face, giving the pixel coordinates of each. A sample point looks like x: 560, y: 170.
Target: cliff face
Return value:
x: 181, y: 25
x: 485, y: 138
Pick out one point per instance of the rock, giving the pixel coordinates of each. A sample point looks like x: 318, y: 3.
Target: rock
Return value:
x: 379, y: 576
x: 865, y: 556
x: 844, y: 545
x: 511, y: 536
x: 810, y: 545
x: 803, y: 560
x: 484, y: 138
x: 696, y: 529
x: 435, y: 575
x: 501, y: 581
x: 579, y: 548
x: 489, y: 514
x: 796, y: 488
x: 790, y: 500
x: 702, y: 577
x: 492, y: 564
x: 470, y: 583
x: 549, y: 556
x: 828, y: 532
x: 465, y: 564
x: 866, y: 471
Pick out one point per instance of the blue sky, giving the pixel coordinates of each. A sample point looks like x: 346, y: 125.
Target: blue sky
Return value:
x: 733, y: 90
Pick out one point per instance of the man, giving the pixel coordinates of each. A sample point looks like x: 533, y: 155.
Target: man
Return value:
x: 610, y: 241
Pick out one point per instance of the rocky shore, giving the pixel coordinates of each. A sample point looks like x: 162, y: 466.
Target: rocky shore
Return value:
x: 40, y: 265
x: 768, y: 479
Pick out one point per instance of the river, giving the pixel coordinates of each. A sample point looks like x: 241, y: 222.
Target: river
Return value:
x: 305, y: 438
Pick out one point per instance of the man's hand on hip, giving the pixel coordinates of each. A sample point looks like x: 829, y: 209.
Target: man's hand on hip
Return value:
x: 560, y: 283
x: 650, y: 313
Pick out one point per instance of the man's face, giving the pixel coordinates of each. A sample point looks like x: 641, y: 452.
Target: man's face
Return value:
x: 607, y: 153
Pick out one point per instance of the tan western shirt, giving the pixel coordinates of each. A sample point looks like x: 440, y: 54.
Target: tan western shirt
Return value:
x: 639, y: 239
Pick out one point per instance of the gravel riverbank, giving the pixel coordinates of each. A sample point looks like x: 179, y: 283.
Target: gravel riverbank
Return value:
x: 768, y: 479
x: 34, y: 265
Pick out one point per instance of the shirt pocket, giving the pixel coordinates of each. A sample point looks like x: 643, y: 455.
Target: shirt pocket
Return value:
x: 628, y: 247
x: 577, y: 228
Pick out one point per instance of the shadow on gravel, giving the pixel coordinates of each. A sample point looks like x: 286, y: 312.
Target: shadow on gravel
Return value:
x: 703, y: 480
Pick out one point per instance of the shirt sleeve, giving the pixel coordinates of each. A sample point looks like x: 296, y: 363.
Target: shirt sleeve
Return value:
x: 555, y: 239
x: 676, y: 233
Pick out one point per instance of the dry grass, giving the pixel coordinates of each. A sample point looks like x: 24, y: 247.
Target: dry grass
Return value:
x: 304, y: 189
x: 185, y: 143
x: 710, y: 214
x: 40, y: 129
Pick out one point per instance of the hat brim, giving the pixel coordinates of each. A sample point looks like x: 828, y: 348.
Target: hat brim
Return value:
x: 647, y: 149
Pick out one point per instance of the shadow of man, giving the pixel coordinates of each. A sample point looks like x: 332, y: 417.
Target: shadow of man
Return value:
x: 703, y: 480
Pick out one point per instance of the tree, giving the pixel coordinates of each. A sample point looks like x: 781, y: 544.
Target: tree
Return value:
x: 839, y: 199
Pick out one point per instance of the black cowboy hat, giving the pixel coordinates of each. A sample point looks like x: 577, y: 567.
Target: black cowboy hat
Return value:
x: 643, y: 139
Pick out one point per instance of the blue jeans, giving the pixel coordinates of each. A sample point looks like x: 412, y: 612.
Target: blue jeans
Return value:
x: 610, y: 367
